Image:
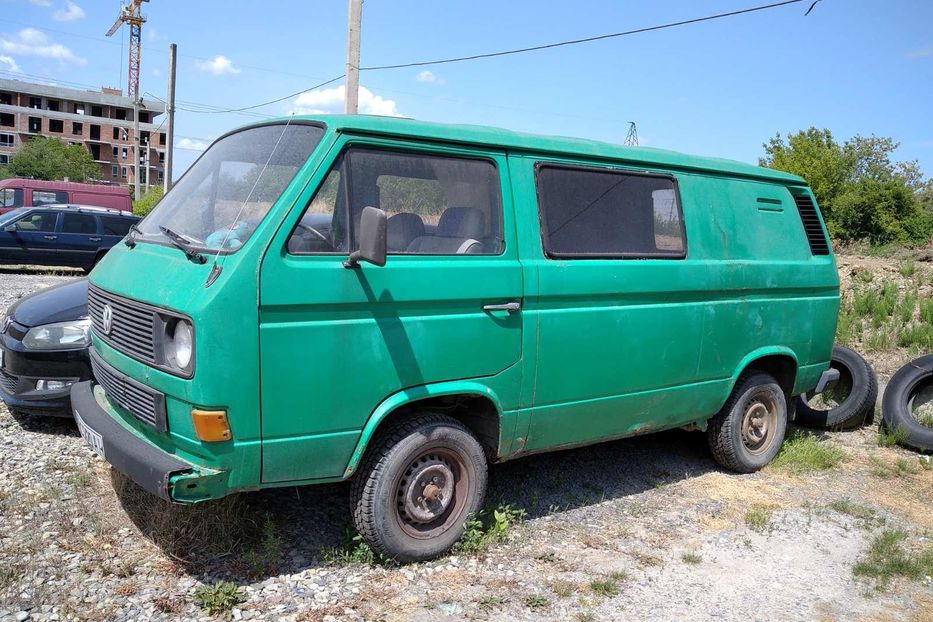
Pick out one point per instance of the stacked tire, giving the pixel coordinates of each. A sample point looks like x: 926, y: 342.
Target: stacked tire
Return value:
x: 907, y: 406
x: 849, y: 403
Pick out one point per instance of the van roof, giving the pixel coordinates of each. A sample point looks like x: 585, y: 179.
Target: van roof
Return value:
x: 497, y: 137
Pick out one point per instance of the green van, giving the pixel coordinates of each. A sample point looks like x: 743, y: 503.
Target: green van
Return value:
x: 403, y: 303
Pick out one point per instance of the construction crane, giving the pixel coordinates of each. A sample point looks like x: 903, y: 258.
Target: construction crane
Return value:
x: 129, y: 14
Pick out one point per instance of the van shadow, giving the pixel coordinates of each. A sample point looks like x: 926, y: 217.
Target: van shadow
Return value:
x: 248, y: 537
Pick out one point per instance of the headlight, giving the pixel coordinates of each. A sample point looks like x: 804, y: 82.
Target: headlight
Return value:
x: 73, y: 335
x: 181, y: 345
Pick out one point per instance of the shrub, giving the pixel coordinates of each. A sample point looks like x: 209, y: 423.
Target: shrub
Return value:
x: 144, y: 205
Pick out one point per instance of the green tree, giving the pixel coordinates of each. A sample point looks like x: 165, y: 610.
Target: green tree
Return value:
x: 144, y: 205
x: 53, y: 160
x: 863, y: 192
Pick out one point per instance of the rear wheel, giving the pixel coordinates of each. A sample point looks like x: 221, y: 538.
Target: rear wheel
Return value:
x: 421, y: 480
x: 747, y: 432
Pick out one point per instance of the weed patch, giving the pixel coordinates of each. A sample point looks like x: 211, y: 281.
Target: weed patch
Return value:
x: 890, y: 438
x: 218, y: 598
x: 805, y: 453
x: 691, y: 558
x: 536, y: 601
x: 758, y: 518
x: 901, y: 467
x: 888, y: 559
x: 354, y: 551
x: 489, y: 526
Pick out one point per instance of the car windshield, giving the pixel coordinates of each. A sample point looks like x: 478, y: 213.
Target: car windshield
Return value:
x: 226, y: 193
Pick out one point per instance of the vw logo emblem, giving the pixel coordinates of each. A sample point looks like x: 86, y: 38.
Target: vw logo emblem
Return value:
x: 107, y: 319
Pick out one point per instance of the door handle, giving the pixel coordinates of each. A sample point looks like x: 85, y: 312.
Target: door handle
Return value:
x: 94, y: 239
x: 50, y: 237
x: 510, y: 307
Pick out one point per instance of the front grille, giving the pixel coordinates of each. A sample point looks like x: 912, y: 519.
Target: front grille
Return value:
x: 8, y: 382
x: 142, y: 402
x: 811, y: 224
x: 132, y: 327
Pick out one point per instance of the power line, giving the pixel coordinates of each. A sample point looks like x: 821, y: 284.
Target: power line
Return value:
x: 535, y: 48
x: 612, y: 35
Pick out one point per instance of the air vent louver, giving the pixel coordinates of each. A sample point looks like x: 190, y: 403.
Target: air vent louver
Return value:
x: 811, y: 224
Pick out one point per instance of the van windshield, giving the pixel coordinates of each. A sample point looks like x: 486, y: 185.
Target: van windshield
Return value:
x: 226, y: 193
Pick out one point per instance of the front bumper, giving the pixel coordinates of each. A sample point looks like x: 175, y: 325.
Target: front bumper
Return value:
x: 152, y: 468
x: 22, y: 368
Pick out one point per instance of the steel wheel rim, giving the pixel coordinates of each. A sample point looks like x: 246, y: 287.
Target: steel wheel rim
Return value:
x: 431, y: 493
x: 759, y: 422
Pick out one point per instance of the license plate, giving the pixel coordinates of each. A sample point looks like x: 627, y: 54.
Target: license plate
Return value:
x: 94, y: 440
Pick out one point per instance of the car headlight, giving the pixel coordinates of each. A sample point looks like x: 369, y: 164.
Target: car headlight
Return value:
x: 181, y: 345
x: 71, y: 335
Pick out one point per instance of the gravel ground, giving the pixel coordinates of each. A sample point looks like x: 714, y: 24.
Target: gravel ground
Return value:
x: 669, y: 534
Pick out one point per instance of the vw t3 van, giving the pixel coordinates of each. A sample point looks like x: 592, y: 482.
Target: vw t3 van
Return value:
x: 402, y: 304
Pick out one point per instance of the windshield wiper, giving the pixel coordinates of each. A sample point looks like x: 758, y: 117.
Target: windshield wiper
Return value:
x: 184, y: 243
x: 130, y: 239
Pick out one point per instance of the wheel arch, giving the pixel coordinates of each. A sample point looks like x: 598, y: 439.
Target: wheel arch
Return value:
x: 472, y: 403
x: 779, y: 361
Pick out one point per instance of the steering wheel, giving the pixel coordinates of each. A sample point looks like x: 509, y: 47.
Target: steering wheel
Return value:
x: 314, y: 231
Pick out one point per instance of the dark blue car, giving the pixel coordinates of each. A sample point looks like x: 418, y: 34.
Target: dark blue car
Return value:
x: 61, y: 235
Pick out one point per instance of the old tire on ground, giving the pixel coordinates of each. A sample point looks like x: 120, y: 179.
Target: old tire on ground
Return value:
x: 851, y: 401
x: 909, y: 393
x: 420, y: 481
x: 747, y: 432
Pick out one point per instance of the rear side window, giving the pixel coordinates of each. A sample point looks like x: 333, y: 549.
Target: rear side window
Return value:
x: 115, y: 226
x: 47, y: 197
x: 78, y: 223
x: 11, y: 197
x: 591, y: 213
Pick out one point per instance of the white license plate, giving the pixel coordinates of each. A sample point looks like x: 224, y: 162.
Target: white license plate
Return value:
x: 94, y: 440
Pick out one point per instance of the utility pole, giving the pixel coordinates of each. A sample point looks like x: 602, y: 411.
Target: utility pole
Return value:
x: 354, y: 19
x: 170, y: 122
x: 136, y: 195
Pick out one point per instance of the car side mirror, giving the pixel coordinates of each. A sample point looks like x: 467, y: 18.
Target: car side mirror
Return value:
x: 10, y: 228
x: 372, y: 239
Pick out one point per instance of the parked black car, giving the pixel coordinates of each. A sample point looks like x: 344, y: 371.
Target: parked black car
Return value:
x: 44, y: 342
x: 61, y: 235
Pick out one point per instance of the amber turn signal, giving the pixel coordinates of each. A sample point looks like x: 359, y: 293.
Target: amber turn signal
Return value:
x: 211, y: 425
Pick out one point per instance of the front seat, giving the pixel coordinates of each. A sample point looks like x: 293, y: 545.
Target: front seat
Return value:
x: 401, y: 230
x: 458, y: 233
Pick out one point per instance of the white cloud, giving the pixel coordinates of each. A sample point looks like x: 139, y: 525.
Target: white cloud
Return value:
x: 921, y: 52
x: 218, y: 66
x: 32, y: 42
x: 329, y: 101
x: 191, y: 144
x: 72, y: 12
x: 10, y: 64
x: 430, y: 77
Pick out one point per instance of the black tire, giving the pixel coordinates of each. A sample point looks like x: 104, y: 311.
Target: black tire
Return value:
x: 393, y: 503
x: 913, y: 380
x: 737, y: 442
x: 854, y: 394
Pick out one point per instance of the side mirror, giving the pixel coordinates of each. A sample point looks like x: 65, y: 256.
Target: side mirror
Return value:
x: 10, y: 228
x: 372, y: 239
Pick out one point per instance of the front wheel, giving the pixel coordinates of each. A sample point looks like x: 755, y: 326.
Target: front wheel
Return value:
x: 421, y: 480
x: 747, y: 433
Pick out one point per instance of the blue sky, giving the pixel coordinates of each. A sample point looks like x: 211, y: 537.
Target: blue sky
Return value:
x: 719, y: 88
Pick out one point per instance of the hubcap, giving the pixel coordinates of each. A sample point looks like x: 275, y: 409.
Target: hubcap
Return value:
x: 758, y: 422
x: 426, y: 490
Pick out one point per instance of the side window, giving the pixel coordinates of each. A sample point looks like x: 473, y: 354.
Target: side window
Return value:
x: 588, y: 212
x: 436, y: 205
x: 37, y: 221
x: 115, y: 226
x: 79, y: 223
x: 11, y: 197
x: 47, y: 197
